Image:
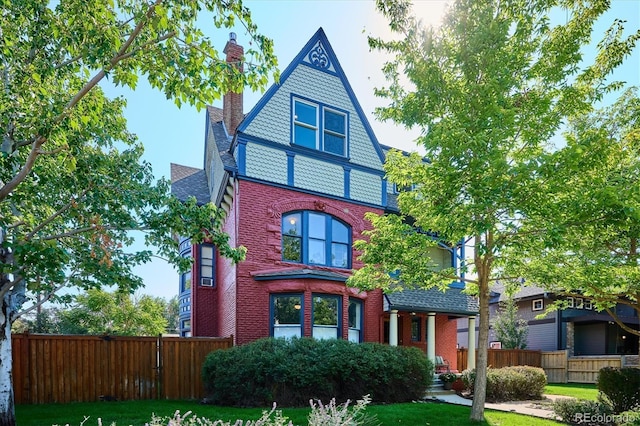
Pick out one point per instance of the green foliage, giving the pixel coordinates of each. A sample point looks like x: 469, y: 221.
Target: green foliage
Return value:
x: 510, y: 330
x: 101, y: 312
x: 292, y: 372
x: 630, y: 418
x: 468, y: 378
x: 448, y: 377
x: 518, y: 383
x: 583, y: 412
x: 72, y: 183
x: 488, y: 88
x: 620, y: 388
x: 591, y: 219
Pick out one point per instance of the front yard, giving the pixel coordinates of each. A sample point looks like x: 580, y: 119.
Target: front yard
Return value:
x: 139, y: 412
x: 574, y: 390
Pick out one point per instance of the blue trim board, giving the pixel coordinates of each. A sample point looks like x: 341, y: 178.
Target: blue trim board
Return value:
x: 384, y: 192
x: 347, y: 183
x: 307, y: 191
x: 242, y: 157
x: 299, y: 59
x: 314, y: 153
x: 290, y: 167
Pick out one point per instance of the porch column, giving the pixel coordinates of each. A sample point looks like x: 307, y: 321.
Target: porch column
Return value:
x: 571, y: 338
x: 393, y: 328
x: 471, y: 354
x: 431, y: 337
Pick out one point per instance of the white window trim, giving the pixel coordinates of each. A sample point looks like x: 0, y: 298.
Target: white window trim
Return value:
x: 303, y: 124
x: 570, y: 303
x: 587, y: 304
x: 579, y: 303
x: 533, y: 305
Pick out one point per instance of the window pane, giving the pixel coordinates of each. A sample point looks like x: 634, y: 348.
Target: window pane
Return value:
x: 317, y: 226
x: 207, y: 252
x: 291, y: 248
x: 292, y: 224
x: 305, y: 136
x: 355, y: 312
x: 287, y: 331
x: 186, y: 281
x: 339, y: 232
x: 339, y: 255
x: 305, y: 113
x: 415, y: 329
x: 324, y: 332
x: 317, y: 252
x: 334, y: 122
x: 354, y: 336
x: 325, y: 310
x: 206, y: 272
x: 286, y: 310
x: 334, y: 144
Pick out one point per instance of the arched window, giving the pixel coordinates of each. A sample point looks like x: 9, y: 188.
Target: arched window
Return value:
x: 316, y: 239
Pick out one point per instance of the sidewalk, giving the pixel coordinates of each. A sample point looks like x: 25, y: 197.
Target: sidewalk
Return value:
x: 540, y: 408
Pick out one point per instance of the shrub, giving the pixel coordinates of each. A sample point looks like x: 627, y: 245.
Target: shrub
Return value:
x: 516, y: 383
x: 630, y: 418
x: 448, y: 377
x: 583, y: 412
x: 458, y: 385
x: 620, y: 388
x: 292, y: 372
x: 468, y: 379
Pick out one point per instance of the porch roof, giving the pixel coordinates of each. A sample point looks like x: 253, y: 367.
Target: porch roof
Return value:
x: 451, y: 301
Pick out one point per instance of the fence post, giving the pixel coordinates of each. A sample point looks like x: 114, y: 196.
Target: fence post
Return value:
x: 159, y: 364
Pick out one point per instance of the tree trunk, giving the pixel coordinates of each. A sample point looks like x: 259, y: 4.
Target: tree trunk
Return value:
x: 7, y: 409
x: 480, y: 386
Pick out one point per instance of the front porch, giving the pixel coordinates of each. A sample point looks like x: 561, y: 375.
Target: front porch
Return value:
x: 427, y: 319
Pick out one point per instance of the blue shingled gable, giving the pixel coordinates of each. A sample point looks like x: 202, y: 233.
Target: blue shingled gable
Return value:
x: 319, y: 54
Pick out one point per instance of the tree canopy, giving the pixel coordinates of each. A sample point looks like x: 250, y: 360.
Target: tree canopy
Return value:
x: 72, y: 183
x: 589, y: 247
x: 489, y: 88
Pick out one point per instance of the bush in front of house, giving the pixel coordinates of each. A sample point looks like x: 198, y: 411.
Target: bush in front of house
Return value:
x: 620, y: 387
x: 517, y: 383
x: 583, y: 412
x: 292, y: 372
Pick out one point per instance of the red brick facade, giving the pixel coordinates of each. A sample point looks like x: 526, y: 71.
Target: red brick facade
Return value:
x: 260, y: 212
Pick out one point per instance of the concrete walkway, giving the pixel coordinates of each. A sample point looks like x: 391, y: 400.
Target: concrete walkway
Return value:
x: 540, y: 408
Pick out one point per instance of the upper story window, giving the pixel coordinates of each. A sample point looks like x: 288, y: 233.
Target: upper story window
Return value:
x: 207, y: 266
x: 319, y: 127
x: 316, y: 239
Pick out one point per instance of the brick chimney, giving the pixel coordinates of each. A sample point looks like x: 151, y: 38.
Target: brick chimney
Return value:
x: 231, y: 101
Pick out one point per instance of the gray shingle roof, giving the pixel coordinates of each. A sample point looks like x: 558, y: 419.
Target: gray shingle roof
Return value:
x: 525, y: 292
x: 222, y: 139
x: 452, y: 301
x: 189, y: 181
x: 300, y: 273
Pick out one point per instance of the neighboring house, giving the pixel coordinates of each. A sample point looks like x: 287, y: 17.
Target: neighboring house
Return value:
x: 296, y: 176
x: 578, y: 328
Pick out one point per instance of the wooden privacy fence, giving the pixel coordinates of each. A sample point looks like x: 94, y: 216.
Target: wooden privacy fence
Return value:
x: 63, y: 368
x: 561, y: 368
x: 497, y: 358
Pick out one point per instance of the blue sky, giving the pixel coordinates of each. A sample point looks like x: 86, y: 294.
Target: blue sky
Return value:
x: 176, y: 135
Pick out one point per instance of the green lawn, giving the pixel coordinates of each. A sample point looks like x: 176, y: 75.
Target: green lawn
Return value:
x: 575, y: 390
x: 139, y: 412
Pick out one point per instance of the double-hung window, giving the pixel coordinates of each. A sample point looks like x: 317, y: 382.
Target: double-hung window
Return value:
x: 315, y: 239
x: 355, y: 320
x: 207, y: 265
x: 319, y: 127
x: 286, y: 312
x: 326, y: 316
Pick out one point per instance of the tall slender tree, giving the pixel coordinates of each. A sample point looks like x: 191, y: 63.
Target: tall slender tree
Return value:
x: 488, y: 88
x: 72, y: 182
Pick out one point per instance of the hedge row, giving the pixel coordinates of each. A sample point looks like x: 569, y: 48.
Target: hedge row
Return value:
x: 292, y: 372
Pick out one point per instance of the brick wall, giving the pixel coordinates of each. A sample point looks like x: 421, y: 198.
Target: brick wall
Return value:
x: 260, y: 213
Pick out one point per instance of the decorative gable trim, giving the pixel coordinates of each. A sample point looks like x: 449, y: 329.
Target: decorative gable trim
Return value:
x: 324, y: 60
